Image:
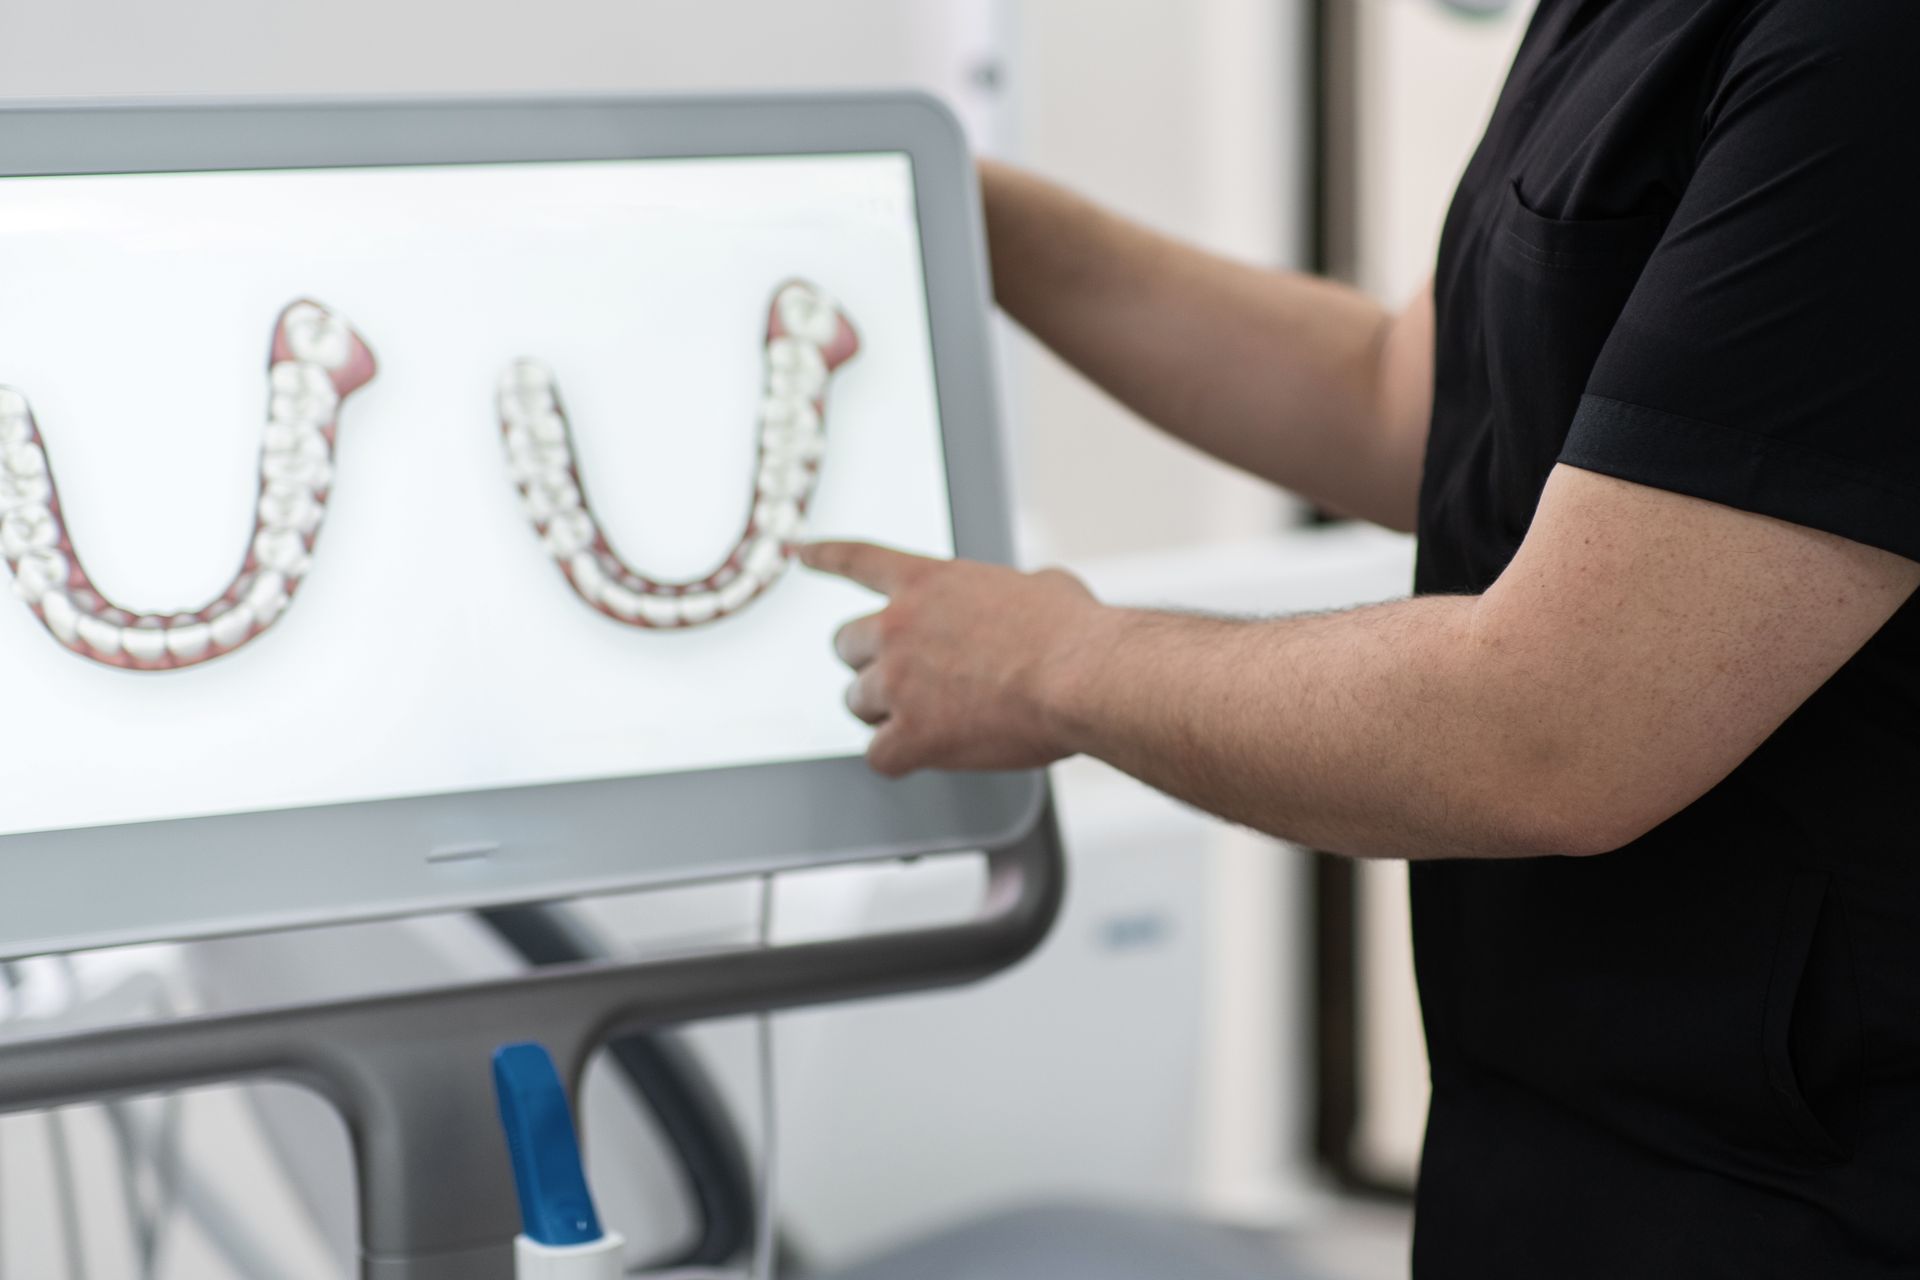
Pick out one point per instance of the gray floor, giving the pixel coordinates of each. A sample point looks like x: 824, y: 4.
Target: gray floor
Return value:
x: 1352, y: 1241
x: 1358, y: 1241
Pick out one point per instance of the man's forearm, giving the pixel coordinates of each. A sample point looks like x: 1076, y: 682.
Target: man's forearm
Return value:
x: 1283, y: 375
x: 1376, y: 733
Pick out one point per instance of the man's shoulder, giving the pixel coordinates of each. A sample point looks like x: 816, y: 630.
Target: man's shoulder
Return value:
x: 1860, y: 54
x: 1826, y: 29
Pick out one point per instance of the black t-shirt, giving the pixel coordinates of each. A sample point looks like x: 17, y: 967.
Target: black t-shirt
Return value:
x: 1687, y: 254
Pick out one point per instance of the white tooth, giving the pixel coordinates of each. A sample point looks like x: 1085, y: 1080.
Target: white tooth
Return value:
x: 530, y: 460
x: 62, y: 618
x: 519, y: 442
x: 548, y: 496
x: 303, y: 440
x: 570, y: 534
x: 292, y: 507
x: 547, y: 426
x: 560, y: 491
x: 738, y: 592
x: 267, y: 596
x: 282, y: 550
x: 101, y: 636
x: 767, y: 485
x: 659, y: 611
x: 15, y: 429
x: 26, y: 461
x: 295, y: 377
x: 779, y: 519
x: 189, y: 640
x: 797, y: 416
x: 316, y: 334
x: 306, y: 444
x: 296, y: 470
x: 302, y: 411
x: 303, y: 394
x: 38, y: 573
x: 12, y: 403
x: 522, y: 408
x: 622, y: 601
x: 526, y: 387
x: 27, y: 529
x: 795, y: 370
x: 24, y: 491
x: 808, y: 313
x: 147, y: 644
x: 231, y: 627
x: 699, y: 607
x: 765, y: 559
x: 782, y: 481
x: 589, y: 579
x: 548, y: 461
x: 778, y: 445
x: 809, y: 446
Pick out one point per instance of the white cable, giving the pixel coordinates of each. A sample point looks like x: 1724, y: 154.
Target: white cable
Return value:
x: 166, y: 1171
x: 766, y: 1235
x: 67, y: 1187
x: 66, y: 1193
x: 140, y: 1221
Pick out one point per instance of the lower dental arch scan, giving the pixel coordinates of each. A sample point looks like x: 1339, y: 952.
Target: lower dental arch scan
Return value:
x: 316, y: 362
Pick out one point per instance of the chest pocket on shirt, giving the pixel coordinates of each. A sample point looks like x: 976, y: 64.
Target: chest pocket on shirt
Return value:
x: 1554, y: 289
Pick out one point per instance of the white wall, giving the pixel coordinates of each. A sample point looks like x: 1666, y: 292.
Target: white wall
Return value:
x: 1190, y: 116
x: 128, y: 47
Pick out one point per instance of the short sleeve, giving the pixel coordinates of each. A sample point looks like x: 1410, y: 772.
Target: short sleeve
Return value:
x: 1766, y: 358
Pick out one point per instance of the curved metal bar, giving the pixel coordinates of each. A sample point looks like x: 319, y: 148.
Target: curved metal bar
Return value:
x: 409, y: 1071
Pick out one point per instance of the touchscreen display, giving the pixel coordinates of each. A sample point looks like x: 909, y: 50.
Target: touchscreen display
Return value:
x: 323, y: 486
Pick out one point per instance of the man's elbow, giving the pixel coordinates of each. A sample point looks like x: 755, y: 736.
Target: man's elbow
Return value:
x: 1577, y: 816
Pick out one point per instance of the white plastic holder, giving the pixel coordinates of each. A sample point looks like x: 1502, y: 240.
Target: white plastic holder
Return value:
x: 600, y: 1260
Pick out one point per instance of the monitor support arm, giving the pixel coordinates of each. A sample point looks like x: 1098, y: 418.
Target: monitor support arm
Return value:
x: 410, y: 1073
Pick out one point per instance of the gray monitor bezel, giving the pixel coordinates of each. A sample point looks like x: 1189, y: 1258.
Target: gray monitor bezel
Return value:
x: 240, y: 873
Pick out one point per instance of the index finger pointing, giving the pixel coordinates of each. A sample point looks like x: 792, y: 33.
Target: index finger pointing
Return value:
x: 874, y: 567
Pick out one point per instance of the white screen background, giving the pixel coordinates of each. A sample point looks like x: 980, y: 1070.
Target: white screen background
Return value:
x: 434, y: 646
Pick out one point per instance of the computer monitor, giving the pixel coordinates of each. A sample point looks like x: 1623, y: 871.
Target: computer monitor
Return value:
x: 399, y: 498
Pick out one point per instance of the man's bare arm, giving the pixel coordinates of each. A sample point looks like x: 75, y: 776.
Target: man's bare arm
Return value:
x: 1304, y: 382
x: 1640, y: 646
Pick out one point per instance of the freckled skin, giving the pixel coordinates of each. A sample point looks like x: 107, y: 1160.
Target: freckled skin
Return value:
x: 1639, y: 647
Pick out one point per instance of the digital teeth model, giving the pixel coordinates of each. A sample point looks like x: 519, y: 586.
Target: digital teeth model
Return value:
x: 807, y: 339
x: 316, y: 361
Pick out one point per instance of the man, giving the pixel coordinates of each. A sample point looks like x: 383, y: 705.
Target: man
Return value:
x: 1650, y: 733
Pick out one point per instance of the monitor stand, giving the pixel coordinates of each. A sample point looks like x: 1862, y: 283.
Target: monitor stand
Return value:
x: 410, y: 1073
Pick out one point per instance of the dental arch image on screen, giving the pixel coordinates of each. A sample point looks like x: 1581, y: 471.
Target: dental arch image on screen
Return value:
x: 560, y: 422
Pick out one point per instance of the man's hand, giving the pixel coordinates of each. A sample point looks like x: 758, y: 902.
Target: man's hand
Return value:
x: 1638, y: 648
x: 956, y: 671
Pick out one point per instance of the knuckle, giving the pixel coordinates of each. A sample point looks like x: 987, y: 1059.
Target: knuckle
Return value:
x: 1054, y: 575
x: 888, y: 761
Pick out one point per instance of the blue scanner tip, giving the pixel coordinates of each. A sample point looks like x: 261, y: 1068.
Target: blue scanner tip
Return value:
x: 556, y: 1208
